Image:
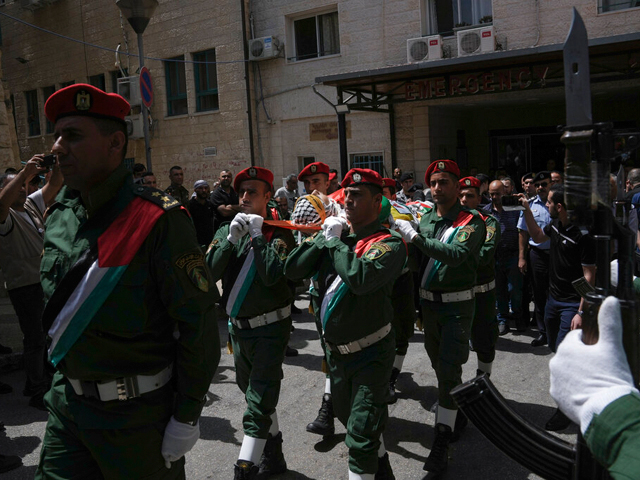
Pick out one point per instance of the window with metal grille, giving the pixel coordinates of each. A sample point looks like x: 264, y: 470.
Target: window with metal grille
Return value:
x: 176, y: 86
x: 206, y: 78
x: 46, y: 93
x: 372, y: 161
x: 614, y: 5
x: 316, y: 36
x: 442, y: 17
x: 33, y: 114
x: 303, y: 161
x: 98, y: 81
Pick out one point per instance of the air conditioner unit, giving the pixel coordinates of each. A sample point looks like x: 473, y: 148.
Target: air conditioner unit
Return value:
x: 129, y: 88
x: 135, y: 126
x: 263, y: 48
x: 424, y: 48
x: 476, y: 40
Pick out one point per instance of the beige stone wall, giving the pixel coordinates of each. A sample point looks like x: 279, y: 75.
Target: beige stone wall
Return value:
x: 177, y: 28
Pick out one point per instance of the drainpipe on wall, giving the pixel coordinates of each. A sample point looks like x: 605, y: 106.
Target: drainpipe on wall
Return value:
x: 247, y: 82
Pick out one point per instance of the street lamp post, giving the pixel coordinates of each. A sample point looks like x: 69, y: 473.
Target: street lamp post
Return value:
x: 138, y: 13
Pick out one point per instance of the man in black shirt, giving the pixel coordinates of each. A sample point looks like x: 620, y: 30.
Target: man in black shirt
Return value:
x: 571, y: 256
x: 225, y: 200
x: 202, y: 212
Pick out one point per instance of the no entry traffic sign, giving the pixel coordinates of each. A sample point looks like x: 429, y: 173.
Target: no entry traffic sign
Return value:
x: 146, y: 87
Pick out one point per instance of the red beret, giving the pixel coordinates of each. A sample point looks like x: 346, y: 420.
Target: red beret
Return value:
x: 313, y: 168
x: 253, y: 173
x: 85, y: 100
x: 389, y: 182
x: 332, y: 176
x: 357, y: 176
x: 441, y: 166
x: 469, y: 182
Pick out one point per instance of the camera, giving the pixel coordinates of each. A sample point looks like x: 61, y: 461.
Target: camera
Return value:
x: 511, y: 203
x: 48, y: 161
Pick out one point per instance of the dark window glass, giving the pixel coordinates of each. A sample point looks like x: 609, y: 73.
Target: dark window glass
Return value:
x: 33, y: 114
x: 206, y: 80
x: 98, y: 82
x: 46, y: 93
x: 316, y: 36
x: 115, y: 75
x: 176, y: 86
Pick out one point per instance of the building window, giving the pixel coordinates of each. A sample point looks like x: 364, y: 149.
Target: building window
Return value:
x: 614, y: 5
x: 115, y: 75
x: 372, y: 161
x: 67, y: 84
x: 441, y: 17
x: 46, y: 93
x: 206, y: 79
x: 33, y: 114
x: 303, y: 161
x: 176, y: 86
x: 315, y: 36
x: 98, y: 82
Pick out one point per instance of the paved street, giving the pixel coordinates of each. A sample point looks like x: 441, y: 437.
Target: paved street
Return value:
x: 520, y: 373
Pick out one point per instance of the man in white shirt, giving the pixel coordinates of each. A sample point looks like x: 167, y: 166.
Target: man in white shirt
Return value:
x: 22, y: 208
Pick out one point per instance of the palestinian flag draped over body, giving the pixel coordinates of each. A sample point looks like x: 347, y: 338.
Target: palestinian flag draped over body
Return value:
x: 90, y: 281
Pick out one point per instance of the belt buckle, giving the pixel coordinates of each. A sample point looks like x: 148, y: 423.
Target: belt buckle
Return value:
x: 127, y: 388
x: 343, y: 349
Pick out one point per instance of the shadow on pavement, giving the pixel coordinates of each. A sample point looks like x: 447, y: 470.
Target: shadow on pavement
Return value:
x: 329, y: 443
x: 512, y: 346
x: 215, y: 428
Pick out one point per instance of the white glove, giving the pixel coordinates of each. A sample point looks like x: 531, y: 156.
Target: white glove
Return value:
x: 178, y: 439
x: 404, y: 228
x: 587, y: 378
x: 255, y: 225
x: 333, y: 226
x: 239, y: 228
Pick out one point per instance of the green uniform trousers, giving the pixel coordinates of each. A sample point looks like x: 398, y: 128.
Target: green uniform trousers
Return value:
x: 258, y: 354
x: 360, y: 386
x: 447, y: 328
x: 404, y: 311
x: 484, y: 330
x: 69, y: 452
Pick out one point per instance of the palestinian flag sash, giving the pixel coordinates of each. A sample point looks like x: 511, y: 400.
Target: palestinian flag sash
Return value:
x: 447, y: 237
x: 90, y: 281
x: 338, y: 289
x: 245, y: 277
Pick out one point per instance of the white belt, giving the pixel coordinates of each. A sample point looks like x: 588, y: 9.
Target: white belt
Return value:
x: 364, y: 342
x: 487, y: 287
x: 449, y: 297
x: 262, y: 320
x: 122, y: 388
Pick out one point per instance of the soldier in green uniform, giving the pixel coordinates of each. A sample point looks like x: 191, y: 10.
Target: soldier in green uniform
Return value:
x: 249, y: 257
x: 353, y: 275
x: 121, y: 269
x: 450, y: 240
x: 484, y: 329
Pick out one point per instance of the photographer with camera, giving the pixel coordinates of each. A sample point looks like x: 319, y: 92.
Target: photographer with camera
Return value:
x: 22, y: 208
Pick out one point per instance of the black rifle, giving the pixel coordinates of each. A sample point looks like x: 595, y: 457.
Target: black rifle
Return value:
x: 589, y: 153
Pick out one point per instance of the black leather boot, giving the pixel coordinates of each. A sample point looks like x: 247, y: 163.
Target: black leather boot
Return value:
x: 272, y: 460
x: 323, y: 424
x: 392, y: 386
x: 244, y: 470
x: 438, y: 459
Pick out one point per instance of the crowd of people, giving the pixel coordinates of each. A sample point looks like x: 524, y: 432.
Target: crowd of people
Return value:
x: 116, y: 293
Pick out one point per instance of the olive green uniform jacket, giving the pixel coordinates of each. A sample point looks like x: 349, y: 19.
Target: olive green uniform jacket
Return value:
x: 165, y: 286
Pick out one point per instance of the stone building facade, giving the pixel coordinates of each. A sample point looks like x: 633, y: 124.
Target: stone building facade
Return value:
x: 277, y: 113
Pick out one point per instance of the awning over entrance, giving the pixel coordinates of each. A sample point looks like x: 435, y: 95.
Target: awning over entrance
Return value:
x: 615, y: 58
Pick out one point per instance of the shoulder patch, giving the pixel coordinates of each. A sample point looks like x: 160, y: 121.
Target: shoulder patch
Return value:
x: 465, y: 232
x: 281, y: 248
x: 377, y: 250
x: 491, y: 232
x: 160, y: 198
x: 193, y: 265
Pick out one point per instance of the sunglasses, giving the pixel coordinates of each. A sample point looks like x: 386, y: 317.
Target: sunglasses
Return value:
x: 543, y: 185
